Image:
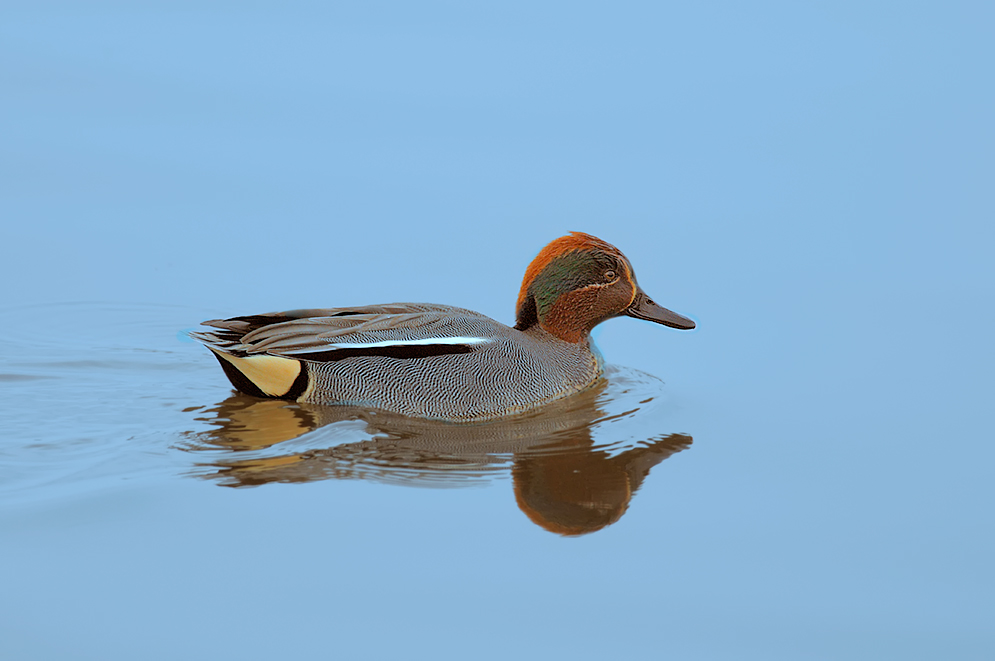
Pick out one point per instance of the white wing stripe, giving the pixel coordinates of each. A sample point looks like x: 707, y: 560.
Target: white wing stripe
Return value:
x: 407, y: 343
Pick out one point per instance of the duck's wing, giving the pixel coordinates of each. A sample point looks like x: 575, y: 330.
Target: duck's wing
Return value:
x: 249, y: 323
x: 397, y: 329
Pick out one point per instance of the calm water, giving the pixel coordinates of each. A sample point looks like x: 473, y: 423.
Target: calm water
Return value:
x: 805, y: 476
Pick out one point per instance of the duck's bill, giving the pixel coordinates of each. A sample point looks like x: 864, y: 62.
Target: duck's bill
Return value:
x: 643, y: 307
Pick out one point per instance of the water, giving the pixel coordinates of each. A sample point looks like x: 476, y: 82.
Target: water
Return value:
x: 806, y: 475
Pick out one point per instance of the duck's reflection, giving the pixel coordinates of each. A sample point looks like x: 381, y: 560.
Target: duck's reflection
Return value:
x: 573, y: 466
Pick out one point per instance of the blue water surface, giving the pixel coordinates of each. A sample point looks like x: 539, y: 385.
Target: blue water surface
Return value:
x: 805, y: 476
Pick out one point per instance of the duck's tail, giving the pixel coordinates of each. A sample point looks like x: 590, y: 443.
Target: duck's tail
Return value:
x: 259, y: 375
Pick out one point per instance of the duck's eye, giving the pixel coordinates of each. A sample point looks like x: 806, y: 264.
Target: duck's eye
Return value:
x: 609, y: 275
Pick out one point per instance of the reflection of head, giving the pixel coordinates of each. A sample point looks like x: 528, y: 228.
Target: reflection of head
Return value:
x: 578, y: 493
x: 571, y: 495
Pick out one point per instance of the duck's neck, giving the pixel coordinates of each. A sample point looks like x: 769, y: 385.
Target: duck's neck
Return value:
x: 570, y: 315
x: 568, y: 333
x: 543, y: 331
x: 560, y: 324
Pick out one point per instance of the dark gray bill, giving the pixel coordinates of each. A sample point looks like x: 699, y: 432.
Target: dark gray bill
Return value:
x: 644, y: 308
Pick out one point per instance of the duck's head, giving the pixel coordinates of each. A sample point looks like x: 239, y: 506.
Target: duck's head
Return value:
x: 578, y: 281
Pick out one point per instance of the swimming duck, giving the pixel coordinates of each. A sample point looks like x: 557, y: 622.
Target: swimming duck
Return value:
x: 439, y: 361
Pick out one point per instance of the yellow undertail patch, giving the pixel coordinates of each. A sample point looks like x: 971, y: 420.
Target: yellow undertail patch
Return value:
x: 273, y: 375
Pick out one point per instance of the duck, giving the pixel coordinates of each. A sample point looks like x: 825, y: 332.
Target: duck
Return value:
x: 443, y: 362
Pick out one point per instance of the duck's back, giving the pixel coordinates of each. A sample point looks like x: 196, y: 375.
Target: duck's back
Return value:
x: 424, y: 360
